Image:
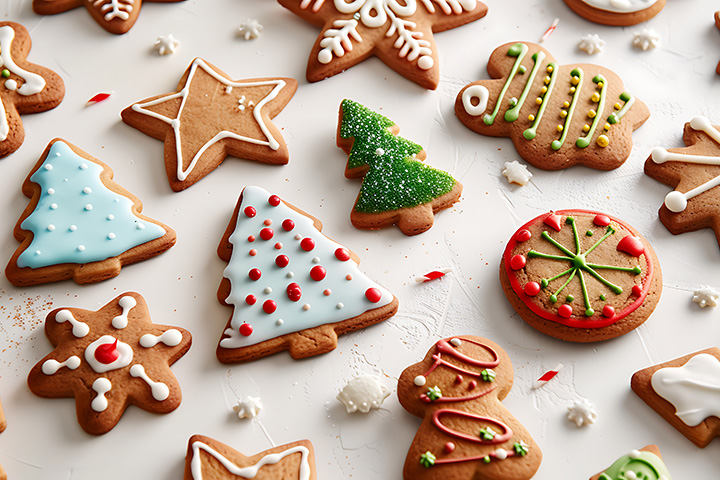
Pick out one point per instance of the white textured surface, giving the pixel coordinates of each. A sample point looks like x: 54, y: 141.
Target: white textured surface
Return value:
x: 676, y: 80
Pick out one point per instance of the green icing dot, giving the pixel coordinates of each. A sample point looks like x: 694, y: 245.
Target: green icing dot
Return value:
x: 522, y: 69
x: 5, y: 73
x: 602, y: 297
x: 589, y: 233
x: 569, y: 299
x: 553, y: 298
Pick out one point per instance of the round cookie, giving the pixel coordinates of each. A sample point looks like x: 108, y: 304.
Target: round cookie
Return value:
x: 616, y: 12
x: 580, y: 276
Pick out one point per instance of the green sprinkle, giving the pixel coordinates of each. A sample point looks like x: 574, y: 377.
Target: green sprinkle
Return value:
x: 487, y: 434
x: 488, y: 375
x: 427, y: 459
x: 434, y: 393
x: 522, y: 69
x: 589, y: 233
x: 602, y: 297
x: 486, y: 459
x: 5, y: 73
x: 569, y: 299
x: 521, y: 448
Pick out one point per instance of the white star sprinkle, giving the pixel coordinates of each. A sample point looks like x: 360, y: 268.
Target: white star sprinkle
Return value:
x: 250, y: 29
x: 646, y: 39
x: 516, y: 172
x: 706, y: 297
x: 166, y: 45
x: 248, y: 407
x: 591, y: 44
x: 582, y: 413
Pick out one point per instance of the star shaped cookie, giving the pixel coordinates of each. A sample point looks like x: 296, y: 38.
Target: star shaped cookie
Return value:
x: 110, y: 359
x: 399, y: 33
x: 115, y: 16
x: 211, y: 116
x: 24, y: 86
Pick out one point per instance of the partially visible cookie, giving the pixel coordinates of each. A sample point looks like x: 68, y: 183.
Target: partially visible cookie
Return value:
x: 26, y: 87
x: 80, y: 224
x: 580, y: 276
x: 717, y: 24
x: 110, y: 359
x: 616, y: 12
x: 211, y: 116
x: 3, y: 421
x: 686, y: 393
x: 646, y: 463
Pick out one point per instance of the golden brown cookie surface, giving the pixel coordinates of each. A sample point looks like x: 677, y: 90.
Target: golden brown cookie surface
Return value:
x: 616, y: 12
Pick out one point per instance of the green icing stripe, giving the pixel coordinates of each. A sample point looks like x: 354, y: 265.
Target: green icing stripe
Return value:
x: 556, y: 144
x: 512, y: 114
x: 531, y: 132
x: 518, y: 50
x: 615, y: 117
x: 583, y: 142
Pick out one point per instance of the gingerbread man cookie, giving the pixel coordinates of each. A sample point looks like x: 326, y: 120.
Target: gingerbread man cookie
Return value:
x: 399, y: 33
x: 208, y: 459
x: 110, y: 359
x: 466, y: 433
x: 24, y: 86
x: 211, y: 116
x: 556, y: 115
x: 616, y: 12
x: 646, y: 464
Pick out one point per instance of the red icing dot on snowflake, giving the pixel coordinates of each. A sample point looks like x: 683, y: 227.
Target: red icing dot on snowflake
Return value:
x: 107, y: 353
x: 565, y: 311
x: 449, y: 447
x: 601, y: 220
x: 348, y: 277
x: 532, y: 288
x: 373, y: 294
x: 267, y: 222
x: 250, y: 212
x: 278, y: 246
x: 251, y: 299
x: 255, y: 274
x: 252, y: 252
x: 269, y: 306
x: 517, y: 262
x: 307, y: 244
x: 637, y: 290
x: 523, y: 235
x: 327, y: 292
x: 608, y: 311
x: 246, y: 329
x: 459, y: 379
x: 631, y: 245
x: 274, y: 200
x: 251, y: 238
x: 282, y: 261
x: 266, y: 233
x: 553, y: 221
x: 288, y: 225
x: 317, y: 273
x: 342, y: 254
x: 294, y: 292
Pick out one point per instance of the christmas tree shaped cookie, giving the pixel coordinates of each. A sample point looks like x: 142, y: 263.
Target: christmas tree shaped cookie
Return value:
x: 208, y: 459
x: 290, y: 287
x: 80, y: 224
x: 466, y: 433
x: 646, y: 464
x: 556, y: 115
x: 24, y: 86
x: 397, y: 187
x: 110, y: 359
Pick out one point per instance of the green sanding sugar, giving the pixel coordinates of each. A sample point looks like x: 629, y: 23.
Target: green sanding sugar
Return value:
x: 395, y: 179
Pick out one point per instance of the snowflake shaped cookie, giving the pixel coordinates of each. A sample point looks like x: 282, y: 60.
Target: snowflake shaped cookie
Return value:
x: 646, y: 39
x: 167, y: 45
x: 516, y: 172
x: 706, y: 297
x: 248, y: 407
x: 582, y: 412
x: 591, y: 44
x: 110, y: 359
x: 250, y: 29
x: 363, y: 394
x: 399, y: 33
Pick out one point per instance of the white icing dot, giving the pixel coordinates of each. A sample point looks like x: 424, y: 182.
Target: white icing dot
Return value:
x: 426, y: 62
x: 83, y: 166
x: 111, y: 236
x: 53, y: 206
x: 111, y: 217
x: 48, y: 167
x: 175, y: 123
x: 73, y: 228
x: 37, y: 252
x: 140, y: 226
x: 298, y: 237
x: 456, y: 342
x: 51, y: 191
x: 87, y: 190
x: 324, y: 56
x: 635, y: 454
x: 290, y: 275
x: 279, y: 321
x: 117, y: 199
x: 379, y: 152
x: 316, y: 260
x: 676, y: 202
x: 306, y: 307
x: 340, y: 305
x: 88, y: 207
x: 419, y: 381
x: 267, y: 290
x: 228, y: 89
x: 57, y: 154
x: 81, y: 248
x: 11, y: 84
x: 501, y: 454
x: 51, y: 228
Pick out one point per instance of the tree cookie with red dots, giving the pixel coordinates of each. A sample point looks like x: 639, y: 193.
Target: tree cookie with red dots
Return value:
x: 621, y: 13
x: 646, y: 463
x: 398, y: 33
x: 110, y: 359
x: 25, y: 87
x: 208, y: 459
x: 290, y: 286
x: 556, y: 115
x: 580, y: 276
x: 466, y: 432
x: 211, y: 116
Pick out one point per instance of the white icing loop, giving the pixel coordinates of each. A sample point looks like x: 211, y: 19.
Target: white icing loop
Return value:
x: 50, y: 367
x: 79, y: 329
x: 101, y: 386
x: 171, y: 338
x: 479, y: 92
x: 250, y: 471
x: 127, y: 303
x: 159, y: 390
x: 32, y: 82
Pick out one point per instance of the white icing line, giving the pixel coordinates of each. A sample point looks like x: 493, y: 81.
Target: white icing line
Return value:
x: 171, y: 338
x: 32, y: 82
x: 51, y: 366
x: 79, y: 329
x: 250, y: 471
x: 127, y: 303
x: 102, y: 385
x: 159, y: 390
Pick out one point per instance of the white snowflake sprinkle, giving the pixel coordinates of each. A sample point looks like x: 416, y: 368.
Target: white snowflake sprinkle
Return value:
x: 166, y: 45
x: 582, y: 413
x: 248, y: 407
x: 250, y: 29
x: 591, y: 44
x: 706, y: 297
x: 516, y: 172
x: 646, y: 39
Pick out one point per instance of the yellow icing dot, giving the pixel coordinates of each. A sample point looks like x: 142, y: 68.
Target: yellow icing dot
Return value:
x: 600, y: 84
x: 575, y: 80
x: 617, y: 106
x: 546, y: 80
x: 543, y: 90
x: 566, y: 104
x: 563, y: 113
x: 595, y: 97
x: 549, y: 68
x: 592, y: 113
x: 531, y: 117
x: 559, y: 128
x: 538, y: 100
x: 603, y: 141
x: 586, y: 128
x: 607, y: 127
x: 572, y: 90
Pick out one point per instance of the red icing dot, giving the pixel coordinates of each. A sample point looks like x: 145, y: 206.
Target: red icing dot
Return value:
x: 532, y: 288
x: 327, y: 292
x: 342, y: 254
x: 246, y: 329
x: 251, y: 299
x: 565, y: 311
x: 251, y: 238
x: 267, y: 222
x: 282, y: 261
x: 317, y: 273
x: 373, y: 294
x: 288, y: 225
x: 608, y: 311
x: 472, y: 385
x: 278, y: 246
x: 250, y: 212
x: 294, y: 292
x: 637, y: 290
x: 449, y: 447
x: 517, y: 262
x: 107, y: 353
x: 458, y: 379
x: 631, y: 245
x: 553, y: 221
x: 348, y: 277
x: 269, y: 306
x: 307, y: 244
x: 523, y: 235
x: 601, y: 220
x: 266, y: 233
x: 255, y: 274
x: 252, y: 252
x: 274, y: 200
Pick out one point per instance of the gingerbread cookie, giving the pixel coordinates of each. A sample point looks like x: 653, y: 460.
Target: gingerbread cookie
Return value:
x: 208, y: 459
x: 79, y: 223
x: 580, y: 276
x: 290, y: 286
x: 686, y: 393
x: 717, y: 24
x: 399, y: 33
x: 694, y: 171
x: 3, y: 422
x: 110, y: 359
x: 397, y: 189
x: 646, y: 463
x: 616, y: 12
x: 466, y: 433
x: 556, y: 115
x: 211, y: 116
x: 26, y: 87
x: 115, y: 16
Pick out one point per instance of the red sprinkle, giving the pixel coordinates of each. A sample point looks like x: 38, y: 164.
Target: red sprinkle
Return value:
x: 523, y: 235
x: 252, y: 252
x: 282, y: 261
x: 288, y: 225
x: 373, y: 294
x: 517, y: 262
x: 449, y: 447
x: 348, y: 277
x: 251, y: 238
x: 472, y: 385
x: 269, y: 306
x: 278, y: 246
x: 251, y: 299
x: 601, y: 220
x: 294, y: 292
x: 553, y: 221
x: 458, y: 379
x: 107, y: 353
x: 274, y: 200
x: 631, y: 245
x: 267, y: 222
x: 98, y: 98
x: 637, y: 290
x: 317, y: 273
x: 608, y: 311
x: 565, y: 311
x: 532, y: 288
x: 255, y: 274
x: 327, y: 292
x: 266, y: 233
x: 342, y: 254
x: 246, y: 329
x: 307, y: 244
x: 250, y: 212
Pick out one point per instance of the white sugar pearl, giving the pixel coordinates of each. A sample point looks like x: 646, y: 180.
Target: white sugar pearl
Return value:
x: 73, y: 228
x: 53, y: 206
x: 340, y: 306
x: 419, y: 380
x: 456, y: 342
x: 87, y: 190
x: 51, y: 227
x: 48, y: 167
x: 306, y: 307
x: 267, y: 290
x: 51, y: 191
x: 140, y: 226
x: 81, y: 248
x: 111, y: 236
x: 88, y: 207
x: 279, y: 321
x: 83, y: 166
x: 111, y: 217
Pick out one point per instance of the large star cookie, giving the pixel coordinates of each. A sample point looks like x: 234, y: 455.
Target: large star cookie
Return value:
x: 399, y: 33
x: 208, y: 459
x: 115, y: 16
x: 110, y: 359
x: 26, y: 87
x: 694, y: 171
x: 211, y: 116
